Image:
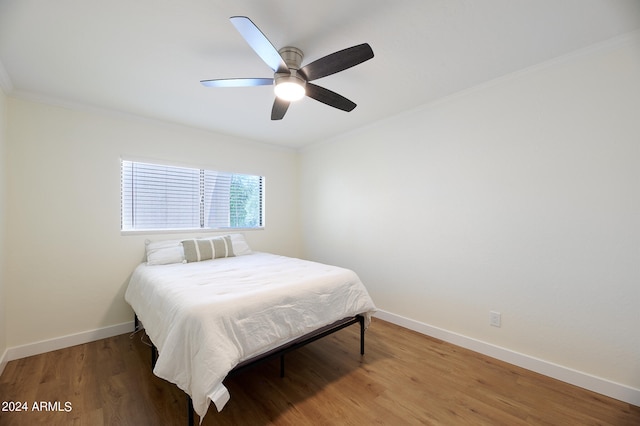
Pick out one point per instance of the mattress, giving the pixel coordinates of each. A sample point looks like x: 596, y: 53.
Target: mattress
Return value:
x: 207, y: 317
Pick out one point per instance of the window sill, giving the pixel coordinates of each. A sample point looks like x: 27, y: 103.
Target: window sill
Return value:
x: 187, y: 231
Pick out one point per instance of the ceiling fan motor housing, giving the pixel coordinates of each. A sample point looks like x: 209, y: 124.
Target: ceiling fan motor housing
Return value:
x: 293, y: 77
x: 292, y: 56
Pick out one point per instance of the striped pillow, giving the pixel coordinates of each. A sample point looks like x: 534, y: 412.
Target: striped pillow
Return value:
x: 196, y: 250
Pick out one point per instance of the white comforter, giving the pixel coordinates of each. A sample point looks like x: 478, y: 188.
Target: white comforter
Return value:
x: 207, y: 317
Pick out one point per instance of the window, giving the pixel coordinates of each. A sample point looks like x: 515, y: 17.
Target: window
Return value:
x: 160, y: 197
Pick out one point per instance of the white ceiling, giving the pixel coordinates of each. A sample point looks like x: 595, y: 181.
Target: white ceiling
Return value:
x: 146, y: 57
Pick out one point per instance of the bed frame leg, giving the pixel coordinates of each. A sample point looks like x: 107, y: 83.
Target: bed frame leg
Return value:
x: 154, y: 356
x: 361, y: 320
x: 190, y: 410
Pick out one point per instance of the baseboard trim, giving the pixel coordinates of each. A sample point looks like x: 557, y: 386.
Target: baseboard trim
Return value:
x: 581, y: 379
x: 3, y: 361
x: 62, y: 342
x: 578, y: 378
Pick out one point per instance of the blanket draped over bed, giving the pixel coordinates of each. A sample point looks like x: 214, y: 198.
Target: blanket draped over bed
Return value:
x: 206, y: 317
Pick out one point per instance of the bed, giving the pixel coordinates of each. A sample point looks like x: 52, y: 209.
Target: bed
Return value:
x: 211, y: 306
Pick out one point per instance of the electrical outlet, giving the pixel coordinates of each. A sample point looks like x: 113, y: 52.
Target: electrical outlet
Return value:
x: 495, y: 319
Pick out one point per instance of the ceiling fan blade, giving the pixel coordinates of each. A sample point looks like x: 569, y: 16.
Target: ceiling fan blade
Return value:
x: 337, y: 61
x: 279, y: 109
x: 237, y: 82
x: 328, y: 97
x: 259, y: 43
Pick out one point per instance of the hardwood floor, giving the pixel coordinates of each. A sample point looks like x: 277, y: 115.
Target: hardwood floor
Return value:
x: 405, y: 378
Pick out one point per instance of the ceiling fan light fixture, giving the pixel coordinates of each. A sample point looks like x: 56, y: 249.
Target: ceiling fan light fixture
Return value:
x: 289, y: 87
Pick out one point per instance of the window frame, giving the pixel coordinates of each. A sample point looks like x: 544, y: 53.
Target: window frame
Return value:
x: 201, y: 229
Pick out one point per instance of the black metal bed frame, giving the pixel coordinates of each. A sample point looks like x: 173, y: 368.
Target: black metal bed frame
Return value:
x: 277, y: 352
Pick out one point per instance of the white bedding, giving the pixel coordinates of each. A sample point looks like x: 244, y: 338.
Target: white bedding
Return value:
x: 206, y: 317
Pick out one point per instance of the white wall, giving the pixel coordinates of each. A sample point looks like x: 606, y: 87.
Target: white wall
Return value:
x: 521, y: 196
x: 3, y: 208
x: 68, y: 264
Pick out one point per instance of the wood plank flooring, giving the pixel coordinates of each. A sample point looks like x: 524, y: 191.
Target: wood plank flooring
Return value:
x: 405, y: 378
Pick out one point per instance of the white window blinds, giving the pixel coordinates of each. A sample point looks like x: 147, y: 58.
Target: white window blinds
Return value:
x: 157, y: 197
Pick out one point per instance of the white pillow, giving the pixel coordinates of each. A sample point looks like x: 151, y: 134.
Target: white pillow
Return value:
x: 164, y: 252
x: 172, y: 251
x: 240, y: 246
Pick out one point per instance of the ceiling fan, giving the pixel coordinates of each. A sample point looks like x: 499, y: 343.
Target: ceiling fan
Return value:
x: 291, y: 81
